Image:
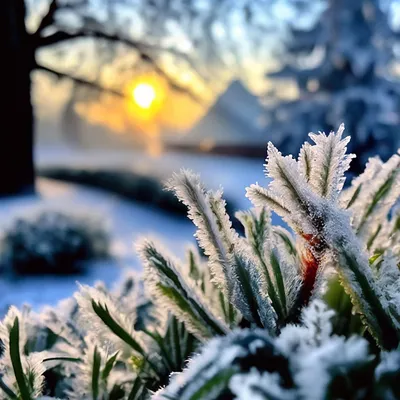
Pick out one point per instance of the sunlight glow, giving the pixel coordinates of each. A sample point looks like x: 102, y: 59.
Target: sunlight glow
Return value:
x: 144, y: 95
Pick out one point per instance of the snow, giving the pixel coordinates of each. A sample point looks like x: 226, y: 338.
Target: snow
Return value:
x: 232, y: 173
x: 128, y: 222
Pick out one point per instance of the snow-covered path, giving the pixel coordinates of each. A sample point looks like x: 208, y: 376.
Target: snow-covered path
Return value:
x: 128, y: 222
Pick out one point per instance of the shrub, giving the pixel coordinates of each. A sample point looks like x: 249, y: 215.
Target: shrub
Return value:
x: 52, y: 242
x: 313, y: 314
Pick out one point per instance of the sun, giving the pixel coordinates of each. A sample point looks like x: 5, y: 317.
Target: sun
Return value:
x: 144, y: 95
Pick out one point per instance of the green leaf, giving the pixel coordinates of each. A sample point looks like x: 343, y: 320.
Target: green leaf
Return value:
x: 381, y: 193
x: 371, y: 240
x: 375, y: 257
x: 109, y: 366
x: 16, y: 361
x: 7, y: 390
x: 368, y: 303
x: 354, y: 197
x: 345, y: 322
x: 194, y: 271
x: 247, y: 291
x: 276, y: 268
x: 137, y: 390
x: 186, y: 309
x: 161, y: 344
x: 175, y: 342
x: 95, y: 373
x: 257, y: 233
x: 286, y: 240
x: 103, y: 313
x: 69, y: 359
x: 214, y: 385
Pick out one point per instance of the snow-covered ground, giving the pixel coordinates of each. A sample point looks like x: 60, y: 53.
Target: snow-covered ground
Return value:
x: 128, y: 222
x: 232, y: 173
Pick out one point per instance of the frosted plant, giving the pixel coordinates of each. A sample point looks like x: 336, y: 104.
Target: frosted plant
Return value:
x: 51, y: 241
x: 97, y: 345
x: 311, y: 313
x: 306, y: 362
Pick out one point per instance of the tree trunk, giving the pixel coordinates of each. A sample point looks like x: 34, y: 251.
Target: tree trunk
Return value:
x: 16, y: 114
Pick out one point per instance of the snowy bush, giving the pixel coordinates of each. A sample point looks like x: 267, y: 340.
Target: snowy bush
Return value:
x: 308, y: 314
x: 343, y: 68
x: 53, y: 242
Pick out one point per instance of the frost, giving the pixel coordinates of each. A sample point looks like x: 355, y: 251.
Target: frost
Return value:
x: 329, y: 163
x: 258, y: 386
x: 171, y: 291
x: 97, y: 307
x: 322, y: 365
x: 218, y: 362
x: 191, y: 192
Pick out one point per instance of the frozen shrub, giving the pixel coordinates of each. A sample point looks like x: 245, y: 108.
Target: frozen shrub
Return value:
x: 309, y: 314
x: 52, y: 242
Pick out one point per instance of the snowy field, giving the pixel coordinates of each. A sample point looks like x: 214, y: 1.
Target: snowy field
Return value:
x: 128, y: 221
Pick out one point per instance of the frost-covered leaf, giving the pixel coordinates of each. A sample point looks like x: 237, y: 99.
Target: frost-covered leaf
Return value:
x: 20, y: 374
x: 351, y: 197
x: 329, y: 163
x: 331, y: 370
x: 279, y: 277
x: 248, y: 295
x: 262, y: 197
x: 306, y: 158
x: 378, y: 197
x: 191, y: 192
x: 387, y: 375
x: 171, y: 291
x: 199, y: 272
x: 99, y: 311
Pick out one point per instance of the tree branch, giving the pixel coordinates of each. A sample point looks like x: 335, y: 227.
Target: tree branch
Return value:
x: 48, y: 18
x: 80, y: 81
x: 97, y: 86
x: 143, y: 48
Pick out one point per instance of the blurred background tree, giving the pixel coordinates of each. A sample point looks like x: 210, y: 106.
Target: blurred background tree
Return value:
x: 71, y: 28
x: 345, y: 70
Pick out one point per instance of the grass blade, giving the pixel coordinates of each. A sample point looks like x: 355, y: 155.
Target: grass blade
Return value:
x: 16, y: 361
